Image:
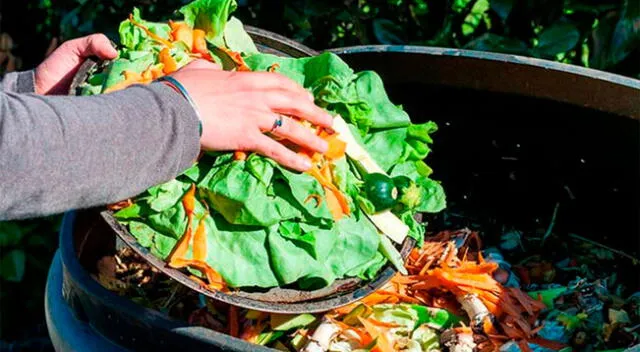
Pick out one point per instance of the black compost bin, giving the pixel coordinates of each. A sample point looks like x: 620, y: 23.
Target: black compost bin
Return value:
x: 517, y: 139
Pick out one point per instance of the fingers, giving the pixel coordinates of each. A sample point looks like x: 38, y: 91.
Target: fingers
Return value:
x: 94, y: 45
x: 297, y: 105
x: 266, y: 81
x: 295, y: 132
x: 280, y: 154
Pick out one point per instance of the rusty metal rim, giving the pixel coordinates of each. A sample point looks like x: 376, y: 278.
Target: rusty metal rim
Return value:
x: 492, y: 56
x: 341, y: 293
x: 526, y: 76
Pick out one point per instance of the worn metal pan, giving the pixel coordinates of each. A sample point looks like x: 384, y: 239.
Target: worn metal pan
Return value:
x: 276, y: 300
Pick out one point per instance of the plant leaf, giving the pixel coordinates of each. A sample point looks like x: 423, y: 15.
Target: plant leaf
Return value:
x: 387, y: 32
x: 626, y: 36
x: 496, y: 43
x: 12, y: 265
x: 559, y: 38
x: 211, y: 16
x: 237, y: 39
x: 502, y: 8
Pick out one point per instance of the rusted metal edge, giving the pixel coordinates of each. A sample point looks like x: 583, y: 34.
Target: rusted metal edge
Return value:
x: 528, y: 76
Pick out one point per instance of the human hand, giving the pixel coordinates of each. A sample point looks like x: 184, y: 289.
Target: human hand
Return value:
x: 237, y: 108
x: 55, y: 73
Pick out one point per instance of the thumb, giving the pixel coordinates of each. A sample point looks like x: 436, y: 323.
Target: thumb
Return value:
x: 94, y: 45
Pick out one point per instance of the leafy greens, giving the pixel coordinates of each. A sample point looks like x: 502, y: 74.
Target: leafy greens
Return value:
x: 263, y: 228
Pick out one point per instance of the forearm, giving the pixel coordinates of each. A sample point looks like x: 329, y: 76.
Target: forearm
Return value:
x: 59, y: 153
x: 18, y: 82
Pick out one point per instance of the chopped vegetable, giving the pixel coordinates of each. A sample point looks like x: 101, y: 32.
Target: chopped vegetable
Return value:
x: 381, y: 191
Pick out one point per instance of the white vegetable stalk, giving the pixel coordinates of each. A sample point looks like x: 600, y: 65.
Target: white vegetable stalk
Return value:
x: 476, y: 310
x: 322, y: 337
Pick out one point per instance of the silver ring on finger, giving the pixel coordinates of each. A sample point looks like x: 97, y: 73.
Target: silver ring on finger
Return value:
x: 277, y: 123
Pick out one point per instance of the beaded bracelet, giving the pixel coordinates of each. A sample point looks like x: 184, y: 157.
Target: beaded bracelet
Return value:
x: 172, y: 82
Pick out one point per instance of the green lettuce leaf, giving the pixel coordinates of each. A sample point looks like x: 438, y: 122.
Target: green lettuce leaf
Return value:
x: 137, y: 63
x: 211, y: 16
x: 244, y: 199
x: 291, y: 263
x: 357, y: 242
x: 237, y: 39
x: 132, y: 36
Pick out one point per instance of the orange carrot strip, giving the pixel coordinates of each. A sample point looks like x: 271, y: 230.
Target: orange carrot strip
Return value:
x: 426, y: 266
x: 340, y: 198
x: 337, y: 148
x: 238, y: 155
x: 404, y: 280
x: 402, y: 297
x: 273, y: 67
x: 149, y: 33
x: 200, y: 44
x: 317, y: 197
x: 180, y: 31
x: 376, y: 332
x: 169, y: 63
x: 200, y: 241
x: 180, y: 249
x: 129, y: 79
x: 237, y: 59
x: 334, y: 205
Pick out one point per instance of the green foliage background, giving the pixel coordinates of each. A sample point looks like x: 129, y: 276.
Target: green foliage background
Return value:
x: 600, y: 34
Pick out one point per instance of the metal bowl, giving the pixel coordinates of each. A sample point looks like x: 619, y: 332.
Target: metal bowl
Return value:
x: 278, y: 300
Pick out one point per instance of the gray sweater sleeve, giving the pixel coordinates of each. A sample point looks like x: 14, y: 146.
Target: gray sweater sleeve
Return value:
x: 59, y: 153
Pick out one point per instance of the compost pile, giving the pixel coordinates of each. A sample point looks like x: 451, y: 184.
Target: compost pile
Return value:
x: 241, y: 221
x: 458, y: 295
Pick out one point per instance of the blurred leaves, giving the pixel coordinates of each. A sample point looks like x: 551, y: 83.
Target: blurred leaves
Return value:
x: 387, y: 32
x: 497, y: 43
x: 12, y: 265
x: 603, y: 34
x: 556, y: 39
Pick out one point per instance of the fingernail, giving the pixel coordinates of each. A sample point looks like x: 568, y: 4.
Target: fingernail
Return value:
x: 311, y: 97
x: 305, y: 163
x: 323, y: 145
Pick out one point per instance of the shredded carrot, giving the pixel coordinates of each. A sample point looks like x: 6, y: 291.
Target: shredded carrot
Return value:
x: 237, y: 59
x: 239, y: 155
x: 273, y: 67
x: 402, y: 297
x: 330, y: 188
x: 179, y: 251
x: 200, y: 44
x: 334, y: 205
x: 169, y: 63
x: 200, y: 241
x: 198, y: 280
x: 150, y: 33
x: 180, y: 31
x: 377, y: 332
x: 317, y: 197
x: 337, y: 148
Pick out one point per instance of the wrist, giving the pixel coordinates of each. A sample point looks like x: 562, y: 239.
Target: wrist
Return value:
x: 179, y: 88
